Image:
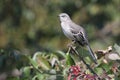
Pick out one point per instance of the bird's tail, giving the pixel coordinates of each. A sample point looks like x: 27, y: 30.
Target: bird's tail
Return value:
x: 91, y: 54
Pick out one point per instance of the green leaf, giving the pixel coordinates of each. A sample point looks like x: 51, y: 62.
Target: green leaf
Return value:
x: 26, y: 71
x: 106, y: 67
x: 60, y: 53
x: 38, y: 77
x: 33, y: 62
x: 98, y: 70
x: 117, y: 48
x: 117, y: 78
x: 69, y: 60
x: 43, y: 63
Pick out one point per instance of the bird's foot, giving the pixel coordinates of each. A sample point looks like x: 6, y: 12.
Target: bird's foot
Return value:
x: 71, y: 44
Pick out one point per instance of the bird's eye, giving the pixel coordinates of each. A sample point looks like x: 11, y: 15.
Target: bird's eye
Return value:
x: 63, y: 15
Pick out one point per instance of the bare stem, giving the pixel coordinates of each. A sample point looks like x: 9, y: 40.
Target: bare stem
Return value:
x: 88, y: 66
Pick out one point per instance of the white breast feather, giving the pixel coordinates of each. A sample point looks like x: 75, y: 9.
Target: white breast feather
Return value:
x: 66, y: 30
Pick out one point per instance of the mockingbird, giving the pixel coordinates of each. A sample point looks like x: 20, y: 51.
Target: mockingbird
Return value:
x: 75, y: 32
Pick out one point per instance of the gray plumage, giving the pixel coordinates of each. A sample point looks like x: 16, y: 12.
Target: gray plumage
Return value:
x: 75, y: 32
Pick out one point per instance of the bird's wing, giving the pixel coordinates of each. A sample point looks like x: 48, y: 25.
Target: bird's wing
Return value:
x: 79, y: 34
x: 81, y: 37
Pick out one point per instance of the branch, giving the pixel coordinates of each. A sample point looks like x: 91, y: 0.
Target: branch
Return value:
x: 88, y: 66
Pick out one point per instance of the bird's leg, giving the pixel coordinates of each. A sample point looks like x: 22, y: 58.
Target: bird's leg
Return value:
x: 73, y: 41
x: 71, y: 45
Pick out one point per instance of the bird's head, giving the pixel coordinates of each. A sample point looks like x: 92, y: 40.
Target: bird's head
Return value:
x: 64, y: 17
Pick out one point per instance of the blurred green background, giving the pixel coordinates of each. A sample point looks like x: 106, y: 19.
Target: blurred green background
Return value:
x: 32, y: 25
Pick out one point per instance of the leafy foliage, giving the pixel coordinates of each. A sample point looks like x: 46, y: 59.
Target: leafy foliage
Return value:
x: 30, y: 35
x: 50, y: 66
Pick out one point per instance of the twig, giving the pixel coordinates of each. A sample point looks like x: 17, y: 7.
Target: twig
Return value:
x: 88, y: 66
